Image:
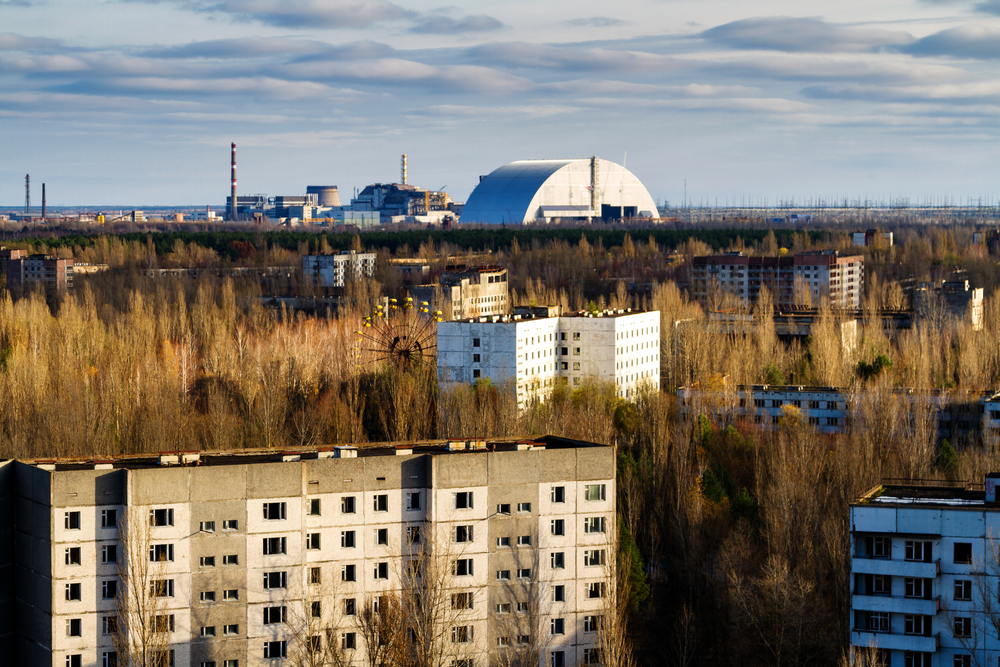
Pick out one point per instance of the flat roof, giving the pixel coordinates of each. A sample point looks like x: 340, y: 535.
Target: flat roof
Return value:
x: 250, y: 456
x: 925, y: 492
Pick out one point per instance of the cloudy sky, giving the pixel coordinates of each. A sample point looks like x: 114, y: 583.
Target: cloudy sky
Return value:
x: 137, y: 101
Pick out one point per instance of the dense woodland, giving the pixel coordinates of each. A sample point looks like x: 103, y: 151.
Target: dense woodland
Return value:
x: 743, y: 531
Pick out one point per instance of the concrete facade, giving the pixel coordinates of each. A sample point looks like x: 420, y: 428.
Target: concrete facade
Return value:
x: 536, y: 352
x: 238, y: 535
x: 465, y: 292
x: 333, y: 270
x: 949, y: 301
x: 53, y: 274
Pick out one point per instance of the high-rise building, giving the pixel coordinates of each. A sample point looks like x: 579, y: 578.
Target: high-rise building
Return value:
x: 242, y: 558
x: 52, y: 273
x: 333, y: 270
x: 465, y: 292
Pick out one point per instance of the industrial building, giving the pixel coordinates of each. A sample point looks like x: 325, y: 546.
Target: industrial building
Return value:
x: 804, y: 279
x: 530, y: 191
x: 923, y: 573
x: 536, y: 348
x: 333, y: 270
x: 941, y: 304
x: 244, y: 558
x: 467, y: 291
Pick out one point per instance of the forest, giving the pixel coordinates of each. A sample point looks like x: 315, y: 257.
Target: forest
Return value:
x: 744, y: 531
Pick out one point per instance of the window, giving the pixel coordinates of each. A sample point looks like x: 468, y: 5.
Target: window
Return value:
x: 315, y: 575
x: 161, y: 517
x: 274, y: 511
x: 74, y: 627
x: 382, y: 536
x: 208, y: 631
x: 524, y: 540
x: 595, y: 589
x: 503, y: 575
x: 350, y: 607
x: 463, y: 601
x: 881, y: 584
x: 591, y: 656
x: 558, y: 593
x: 413, y: 534
x: 558, y: 527
x: 231, y: 594
x: 918, y: 551
x: 109, y: 589
x: 503, y: 608
x: 503, y: 641
x: 231, y: 559
x: 274, y: 545
x: 162, y: 588
x: 522, y: 607
x: 274, y: 615
x: 71, y: 521
x: 109, y: 518
x: 593, y: 557
x: 880, y: 547
x: 476, y: 373
x: 594, y: 492
x: 163, y: 623
x: 591, y: 623
x: 381, y: 570
x: 348, y: 641
x: 963, y: 626
x: 593, y: 524
x: 208, y: 596
x: 381, y: 503
x: 462, y: 567
x: 73, y: 556
x: 274, y: 650
x: 163, y: 658
x: 347, y: 539
x: 475, y: 342
x: 161, y: 553
x: 558, y: 626
x: 524, y: 573
x: 503, y: 542
x: 314, y: 507
x: 523, y: 640
x: 347, y: 505
x: 475, y: 358
x: 463, y: 500
x: 963, y: 590
x: 463, y: 533
x: 207, y: 561
x: 558, y: 494
x: 915, y: 624
x: 275, y: 580
x: 312, y: 541
x: 576, y: 351
x: 207, y: 526
x: 413, y: 500
x: 557, y: 560
x: 461, y: 634
x: 74, y: 660
x: 230, y: 524
x: 231, y: 630
x: 503, y: 508
x: 316, y: 609
x: 231, y: 663
x: 576, y: 335
x: 347, y: 573
x: 523, y: 508
x: 917, y: 588
x: 576, y: 365
x: 963, y: 553
x: 109, y: 625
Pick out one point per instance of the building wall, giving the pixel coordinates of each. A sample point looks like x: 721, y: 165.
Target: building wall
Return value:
x: 332, y: 270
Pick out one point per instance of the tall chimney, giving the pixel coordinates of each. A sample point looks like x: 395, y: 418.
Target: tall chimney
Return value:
x: 404, y: 169
x: 232, y: 197
x: 27, y: 194
x: 43, y: 201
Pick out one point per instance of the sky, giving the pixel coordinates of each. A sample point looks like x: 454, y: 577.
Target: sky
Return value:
x: 136, y: 102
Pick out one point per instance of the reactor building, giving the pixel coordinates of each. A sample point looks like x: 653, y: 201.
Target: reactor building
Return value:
x: 529, y: 191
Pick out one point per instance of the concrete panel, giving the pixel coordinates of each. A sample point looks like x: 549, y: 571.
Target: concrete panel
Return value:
x: 211, y: 483
x: 274, y: 480
x: 925, y: 520
x: 593, y: 463
x: 218, y: 511
x: 335, y: 475
x: 83, y: 488
x: 556, y: 465
x: 383, y: 473
x: 508, y: 467
x: 41, y: 485
x: 41, y: 521
x: 872, y: 519
x: 459, y: 470
x: 962, y: 523
x: 166, y: 485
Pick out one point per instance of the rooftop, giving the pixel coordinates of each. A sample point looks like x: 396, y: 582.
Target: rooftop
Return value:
x: 925, y: 492
x: 250, y: 456
x: 543, y: 312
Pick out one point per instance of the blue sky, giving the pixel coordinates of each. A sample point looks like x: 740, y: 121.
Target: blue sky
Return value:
x: 136, y: 101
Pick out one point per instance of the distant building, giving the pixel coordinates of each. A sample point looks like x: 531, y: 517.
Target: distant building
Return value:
x: 791, y: 279
x: 7, y: 255
x: 536, y: 350
x: 399, y: 201
x: 951, y: 300
x: 333, y: 270
x: 789, y: 324
x: 467, y: 291
x: 410, y: 269
x: 870, y: 237
x: 26, y: 272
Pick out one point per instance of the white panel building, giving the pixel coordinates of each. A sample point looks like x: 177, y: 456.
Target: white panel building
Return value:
x: 535, y: 352
x: 332, y: 270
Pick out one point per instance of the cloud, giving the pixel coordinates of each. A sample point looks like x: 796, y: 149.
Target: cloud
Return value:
x: 441, y: 25
x: 953, y: 93
x: 541, y: 56
x: 811, y: 67
x: 782, y: 33
x: 400, y: 72
x: 13, y: 42
x: 595, y: 22
x: 239, y: 48
x: 300, y: 13
x: 968, y: 41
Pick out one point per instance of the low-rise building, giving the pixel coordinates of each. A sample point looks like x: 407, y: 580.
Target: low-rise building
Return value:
x: 332, y: 270
x: 538, y: 349
x: 467, y: 291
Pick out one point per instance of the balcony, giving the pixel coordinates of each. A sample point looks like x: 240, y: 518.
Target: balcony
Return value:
x: 899, y: 642
x: 896, y: 604
x: 895, y: 567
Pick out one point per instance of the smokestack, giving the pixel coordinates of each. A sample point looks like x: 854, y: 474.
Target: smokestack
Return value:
x: 232, y: 197
x: 27, y: 194
x: 43, y: 201
x: 404, y: 169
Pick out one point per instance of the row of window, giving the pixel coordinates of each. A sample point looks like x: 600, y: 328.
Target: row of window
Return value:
x: 913, y: 624
x: 913, y: 550
x: 913, y: 587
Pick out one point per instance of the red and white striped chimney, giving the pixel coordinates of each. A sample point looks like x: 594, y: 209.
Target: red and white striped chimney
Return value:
x: 232, y: 197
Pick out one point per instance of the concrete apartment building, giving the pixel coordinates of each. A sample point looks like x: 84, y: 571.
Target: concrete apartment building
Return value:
x: 539, y: 348
x: 465, y: 292
x: 253, y: 552
x: 949, y: 301
x: 922, y: 571
x: 26, y: 272
x: 332, y: 270
x: 809, y: 277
